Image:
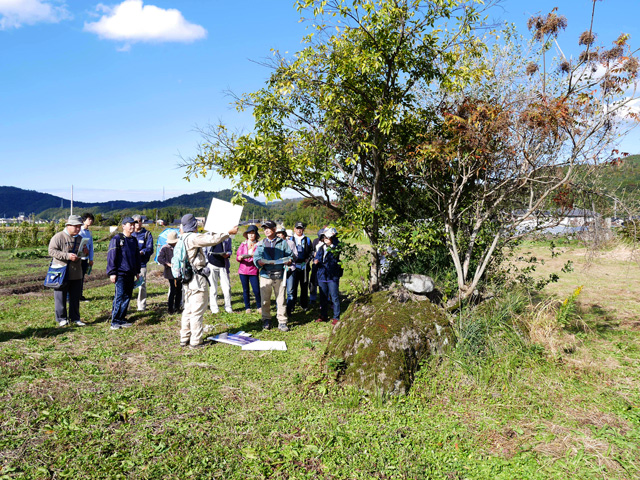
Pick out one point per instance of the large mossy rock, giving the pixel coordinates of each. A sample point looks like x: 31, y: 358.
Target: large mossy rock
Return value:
x: 383, y: 338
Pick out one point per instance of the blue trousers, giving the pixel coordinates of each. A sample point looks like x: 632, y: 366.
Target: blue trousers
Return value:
x: 252, y: 280
x: 329, y: 293
x: 122, y: 297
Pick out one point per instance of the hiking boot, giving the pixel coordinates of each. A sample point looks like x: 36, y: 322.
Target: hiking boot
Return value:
x: 266, y: 324
x: 63, y: 323
x: 80, y: 323
x: 283, y: 327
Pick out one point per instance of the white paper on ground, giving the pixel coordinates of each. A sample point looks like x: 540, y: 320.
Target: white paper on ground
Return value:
x: 223, y: 216
x: 266, y: 345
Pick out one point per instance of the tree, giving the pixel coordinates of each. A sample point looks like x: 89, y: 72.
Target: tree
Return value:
x: 339, y: 119
x: 512, y: 148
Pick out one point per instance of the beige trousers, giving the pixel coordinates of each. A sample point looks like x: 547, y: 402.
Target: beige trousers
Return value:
x: 142, y: 291
x: 195, y: 304
x: 279, y: 288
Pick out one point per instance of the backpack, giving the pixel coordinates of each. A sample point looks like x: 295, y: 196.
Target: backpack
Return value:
x: 180, y: 266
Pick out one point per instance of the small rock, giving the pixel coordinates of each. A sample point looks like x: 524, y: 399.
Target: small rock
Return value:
x: 416, y: 283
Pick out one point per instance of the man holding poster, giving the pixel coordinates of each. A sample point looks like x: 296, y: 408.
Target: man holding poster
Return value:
x: 196, y: 290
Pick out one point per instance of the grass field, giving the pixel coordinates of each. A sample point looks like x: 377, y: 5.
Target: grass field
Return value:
x: 94, y: 403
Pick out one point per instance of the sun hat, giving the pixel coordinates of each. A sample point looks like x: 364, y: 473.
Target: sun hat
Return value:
x: 251, y: 228
x: 189, y: 223
x: 329, y: 232
x: 172, y: 237
x: 74, y: 220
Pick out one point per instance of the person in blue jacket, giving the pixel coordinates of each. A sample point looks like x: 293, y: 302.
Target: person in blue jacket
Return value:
x: 145, y: 245
x: 87, y: 261
x: 123, y: 268
x: 327, y: 261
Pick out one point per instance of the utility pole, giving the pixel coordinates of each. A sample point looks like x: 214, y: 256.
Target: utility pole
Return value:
x: 71, y: 200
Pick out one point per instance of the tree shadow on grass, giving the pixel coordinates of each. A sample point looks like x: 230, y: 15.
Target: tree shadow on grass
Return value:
x: 31, y: 332
x: 596, y: 318
x: 299, y: 317
x: 151, y: 316
x: 49, y: 332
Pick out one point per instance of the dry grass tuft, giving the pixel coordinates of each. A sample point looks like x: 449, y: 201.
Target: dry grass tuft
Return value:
x: 569, y: 442
x: 598, y: 419
x: 544, y: 329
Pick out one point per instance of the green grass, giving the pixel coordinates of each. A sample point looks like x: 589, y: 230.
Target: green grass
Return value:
x: 94, y: 403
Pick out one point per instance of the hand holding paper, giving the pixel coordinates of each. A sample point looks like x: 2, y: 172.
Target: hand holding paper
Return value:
x: 223, y: 217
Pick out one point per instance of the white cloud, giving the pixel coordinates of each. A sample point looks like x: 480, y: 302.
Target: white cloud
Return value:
x: 132, y: 21
x: 629, y: 106
x: 16, y: 13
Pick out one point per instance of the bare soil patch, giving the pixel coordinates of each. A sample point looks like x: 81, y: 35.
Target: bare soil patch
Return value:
x: 34, y: 283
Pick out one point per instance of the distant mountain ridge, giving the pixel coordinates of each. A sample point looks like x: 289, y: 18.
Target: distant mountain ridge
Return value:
x: 14, y: 200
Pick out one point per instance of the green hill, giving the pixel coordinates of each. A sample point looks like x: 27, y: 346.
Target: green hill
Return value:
x: 624, y: 177
x: 15, y: 200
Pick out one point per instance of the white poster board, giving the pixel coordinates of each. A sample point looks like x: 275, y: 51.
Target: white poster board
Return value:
x: 222, y: 217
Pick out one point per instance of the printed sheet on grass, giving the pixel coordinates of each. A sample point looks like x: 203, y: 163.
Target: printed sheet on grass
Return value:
x: 244, y: 340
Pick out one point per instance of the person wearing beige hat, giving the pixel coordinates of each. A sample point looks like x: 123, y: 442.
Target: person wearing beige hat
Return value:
x: 175, y: 284
x: 63, y: 248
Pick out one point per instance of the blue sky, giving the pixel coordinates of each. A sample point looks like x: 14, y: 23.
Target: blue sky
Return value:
x: 106, y: 96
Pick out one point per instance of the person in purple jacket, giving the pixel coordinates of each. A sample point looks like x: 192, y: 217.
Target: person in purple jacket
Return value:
x: 123, y: 269
x: 247, y: 271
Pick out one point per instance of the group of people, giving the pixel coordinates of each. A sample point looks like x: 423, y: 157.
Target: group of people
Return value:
x: 285, y: 265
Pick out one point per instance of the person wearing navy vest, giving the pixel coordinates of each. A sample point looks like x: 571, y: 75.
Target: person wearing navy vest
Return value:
x: 218, y: 260
x: 145, y: 245
x: 300, y: 275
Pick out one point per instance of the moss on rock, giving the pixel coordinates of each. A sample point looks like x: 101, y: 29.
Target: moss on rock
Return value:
x: 383, y: 338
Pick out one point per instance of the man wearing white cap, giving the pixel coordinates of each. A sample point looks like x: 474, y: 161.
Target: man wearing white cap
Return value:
x: 63, y: 247
x: 145, y: 245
